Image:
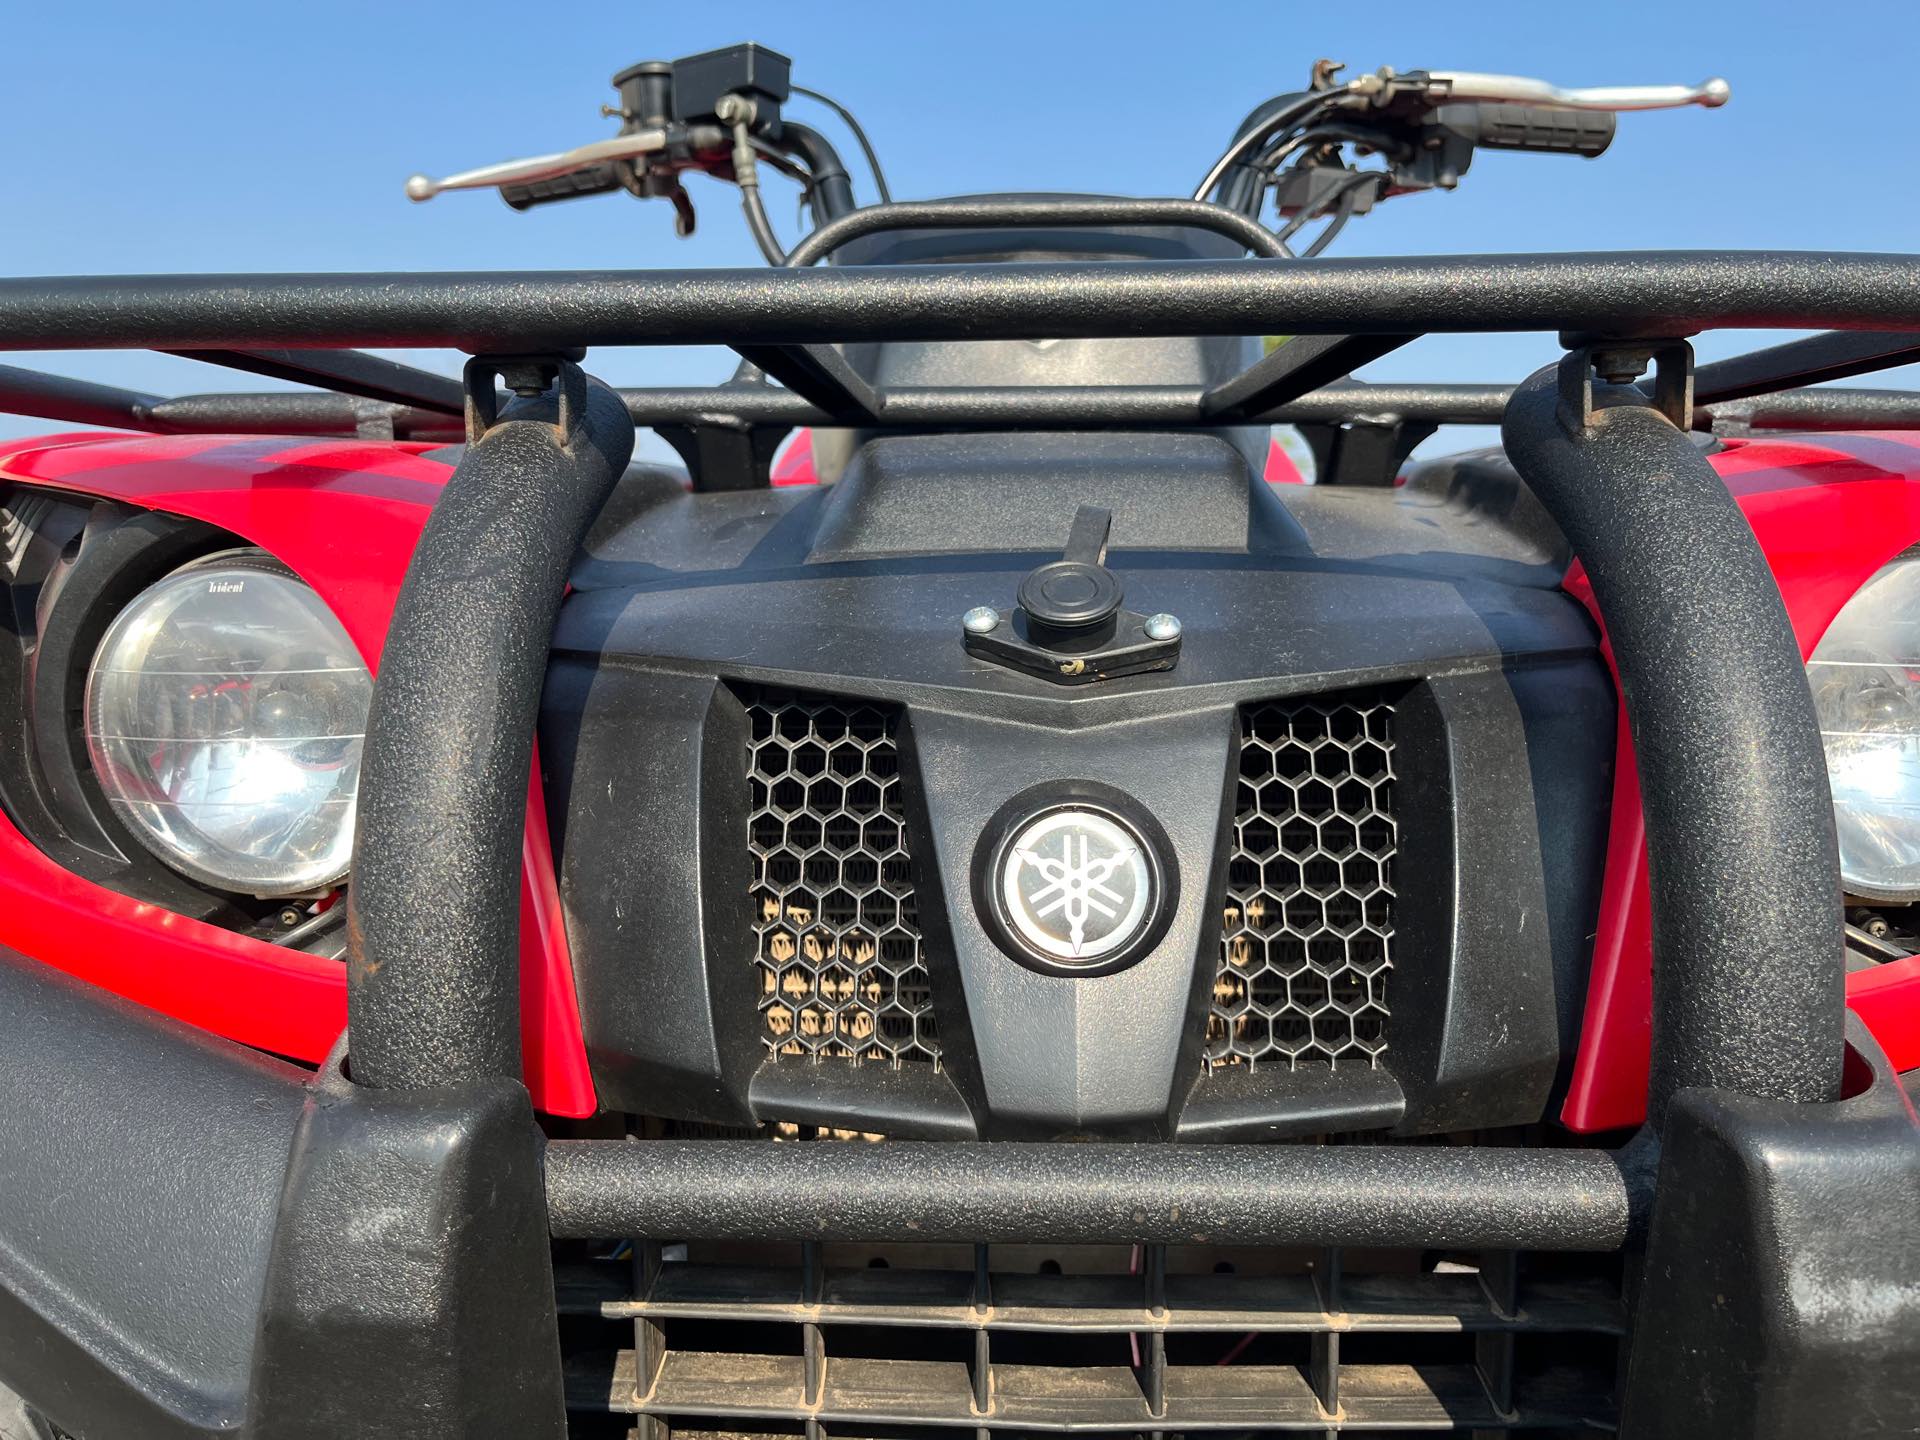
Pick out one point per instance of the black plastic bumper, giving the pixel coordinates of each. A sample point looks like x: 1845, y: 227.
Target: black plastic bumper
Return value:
x: 195, y: 1240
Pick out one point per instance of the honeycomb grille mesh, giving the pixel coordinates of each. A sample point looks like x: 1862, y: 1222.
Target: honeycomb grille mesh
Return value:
x: 837, y: 939
x: 1308, y: 938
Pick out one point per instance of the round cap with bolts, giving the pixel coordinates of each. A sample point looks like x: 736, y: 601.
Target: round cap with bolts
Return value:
x: 1070, y: 595
x: 981, y: 620
x: 1162, y: 627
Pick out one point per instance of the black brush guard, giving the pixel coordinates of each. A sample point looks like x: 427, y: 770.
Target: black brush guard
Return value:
x: 409, y: 1288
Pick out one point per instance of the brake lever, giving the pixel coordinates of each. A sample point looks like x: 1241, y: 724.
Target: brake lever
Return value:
x: 1453, y: 85
x: 541, y: 167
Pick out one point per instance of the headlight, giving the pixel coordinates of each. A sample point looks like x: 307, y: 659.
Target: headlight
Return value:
x: 224, y: 715
x: 1866, y: 690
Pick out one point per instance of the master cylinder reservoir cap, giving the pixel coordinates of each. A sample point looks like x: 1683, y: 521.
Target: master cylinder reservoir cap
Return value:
x: 1071, y: 626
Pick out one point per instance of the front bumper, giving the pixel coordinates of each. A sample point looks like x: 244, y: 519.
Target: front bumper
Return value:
x: 197, y: 1240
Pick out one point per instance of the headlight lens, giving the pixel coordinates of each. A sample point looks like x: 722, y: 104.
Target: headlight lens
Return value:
x: 1866, y: 690
x: 224, y: 716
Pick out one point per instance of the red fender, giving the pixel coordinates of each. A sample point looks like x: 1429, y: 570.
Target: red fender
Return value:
x: 344, y: 515
x: 1828, y: 513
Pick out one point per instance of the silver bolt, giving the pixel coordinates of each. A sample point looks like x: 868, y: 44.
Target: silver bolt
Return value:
x: 1163, y: 627
x: 981, y: 620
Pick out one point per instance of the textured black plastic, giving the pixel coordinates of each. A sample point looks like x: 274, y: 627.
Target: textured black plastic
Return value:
x: 435, y: 905
x: 1780, y: 1295
x: 1748, y: 984
x: 1434, y: 586
x: 1206, y: 1194
x: 141, y: 1165
x: 412, y: 1263
x: 1552, y: 129
x: 947, y: 494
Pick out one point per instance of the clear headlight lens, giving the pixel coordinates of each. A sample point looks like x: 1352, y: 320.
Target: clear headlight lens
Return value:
x: 224, y: 716
x: 1866, y: 690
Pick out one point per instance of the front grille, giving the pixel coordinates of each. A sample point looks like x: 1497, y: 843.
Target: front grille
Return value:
x: 830, y: 1340
x: 1307, y: 942
x: 837, y: 938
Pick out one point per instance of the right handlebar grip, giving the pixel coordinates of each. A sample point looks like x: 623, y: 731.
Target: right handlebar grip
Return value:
x: 593, y: 180
x: 1546, y: 128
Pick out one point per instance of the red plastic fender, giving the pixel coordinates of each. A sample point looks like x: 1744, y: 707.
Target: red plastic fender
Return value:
x: 344, y: 515
x: 1828, y: 513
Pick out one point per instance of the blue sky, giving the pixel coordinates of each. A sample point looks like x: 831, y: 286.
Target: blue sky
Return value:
x: 212, y: 137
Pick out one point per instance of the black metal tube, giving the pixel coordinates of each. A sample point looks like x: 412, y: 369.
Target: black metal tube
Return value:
x: 1747, y: 943
x: 1658, y: 293
x: 1026, y: 212
x: 1147, y: 1194
x: 1068, y: 406
x: 1423, y: 404
x: 293, y: 412
x: 433, y: 924
x: 72, y: 402
x: 1825, y: 409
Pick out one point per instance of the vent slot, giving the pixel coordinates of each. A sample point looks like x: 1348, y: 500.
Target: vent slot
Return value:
x: 1096, y: 1339
x: 837, y: 935
x: 1307, y: 942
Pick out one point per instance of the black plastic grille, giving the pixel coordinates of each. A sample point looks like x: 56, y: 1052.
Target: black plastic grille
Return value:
x: 831, y: 1340
x: 837, y: 939
x: 1307, y: 943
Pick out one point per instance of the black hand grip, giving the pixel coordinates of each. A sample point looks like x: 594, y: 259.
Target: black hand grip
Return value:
x: 1545, y: 128
x: 594, y: 180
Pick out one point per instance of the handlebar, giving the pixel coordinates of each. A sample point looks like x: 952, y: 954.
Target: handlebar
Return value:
x: 1543, y: 129
x: 575, y: 184
x: 719, y: 114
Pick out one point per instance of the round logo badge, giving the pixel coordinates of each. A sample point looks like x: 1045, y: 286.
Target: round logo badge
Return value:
x: 1076, y: 885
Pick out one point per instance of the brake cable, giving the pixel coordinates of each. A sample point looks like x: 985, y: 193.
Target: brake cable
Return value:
x: 736, y: 112
x: 1284, y: 120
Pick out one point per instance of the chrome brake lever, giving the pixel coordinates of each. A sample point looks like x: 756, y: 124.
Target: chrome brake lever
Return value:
x: 1449, y: 85
x: 540, y: 167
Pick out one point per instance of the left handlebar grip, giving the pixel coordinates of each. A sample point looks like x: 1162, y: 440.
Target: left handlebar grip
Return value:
x: 594, y: 180
x: 1546, y: 129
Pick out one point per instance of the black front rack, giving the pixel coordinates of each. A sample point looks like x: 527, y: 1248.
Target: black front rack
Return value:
x: 1747, y: 945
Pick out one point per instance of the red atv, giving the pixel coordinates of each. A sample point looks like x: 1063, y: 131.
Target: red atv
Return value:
x: 1030, y: 927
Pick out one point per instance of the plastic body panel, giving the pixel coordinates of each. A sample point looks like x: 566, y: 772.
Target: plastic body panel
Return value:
x: 670, y: 611
x: 267, y: 1254
x: 1828, y: 512
x: 1758, y: 1314
x: 125, y: 1318
x: 345, y: 516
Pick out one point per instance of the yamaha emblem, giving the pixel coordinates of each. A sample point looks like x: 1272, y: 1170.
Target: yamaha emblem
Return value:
x: 1076, y: 887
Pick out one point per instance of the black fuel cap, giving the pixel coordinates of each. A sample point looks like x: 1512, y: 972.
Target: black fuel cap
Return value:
x: 1076, y: 595
x: 1070, y: 595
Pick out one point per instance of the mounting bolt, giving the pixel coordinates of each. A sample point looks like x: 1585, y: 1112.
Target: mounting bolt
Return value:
x: 1621, y: 364
x: 981, y: 620
x: 1163, y: 627
x: 290, y: 916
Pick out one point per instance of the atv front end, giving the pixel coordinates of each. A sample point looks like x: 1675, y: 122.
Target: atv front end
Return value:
x: 1046, y: 932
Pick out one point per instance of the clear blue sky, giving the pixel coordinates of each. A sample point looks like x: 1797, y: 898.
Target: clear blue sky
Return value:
x: 220, y: 137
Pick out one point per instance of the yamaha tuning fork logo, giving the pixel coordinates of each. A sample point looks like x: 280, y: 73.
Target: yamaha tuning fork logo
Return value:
x: 1071, y: 887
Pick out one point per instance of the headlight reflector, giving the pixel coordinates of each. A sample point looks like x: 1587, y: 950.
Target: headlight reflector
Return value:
x: 224, y: 716
x: 1866, y: 690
